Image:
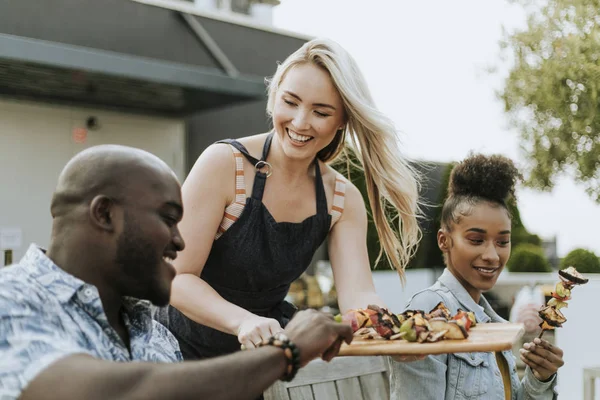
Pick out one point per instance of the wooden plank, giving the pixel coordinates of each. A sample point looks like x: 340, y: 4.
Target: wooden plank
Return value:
x: 301, y: 393
x: 483, y: 337
x: 348, y: 389
x: 374, y: 386
x: 278, y: 391
x: 319, y: 371
x: 325, y: 391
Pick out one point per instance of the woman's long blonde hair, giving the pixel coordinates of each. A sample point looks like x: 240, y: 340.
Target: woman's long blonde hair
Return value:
x: 390, y: 180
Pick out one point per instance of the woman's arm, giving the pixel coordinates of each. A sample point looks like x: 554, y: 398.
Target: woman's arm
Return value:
x: 207, y: 191
x: 349, y: 256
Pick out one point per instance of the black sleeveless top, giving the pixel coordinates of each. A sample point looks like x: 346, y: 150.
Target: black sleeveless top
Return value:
x: 253, y: 264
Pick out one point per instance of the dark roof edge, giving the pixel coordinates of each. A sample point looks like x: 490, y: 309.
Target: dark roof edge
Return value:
x: 118, y: 64
x: 231, y: 18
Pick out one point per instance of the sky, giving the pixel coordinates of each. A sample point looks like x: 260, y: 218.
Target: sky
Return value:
x: 428, y: 65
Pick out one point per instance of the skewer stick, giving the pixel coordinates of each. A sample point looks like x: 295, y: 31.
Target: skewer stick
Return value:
x: 541, y: 333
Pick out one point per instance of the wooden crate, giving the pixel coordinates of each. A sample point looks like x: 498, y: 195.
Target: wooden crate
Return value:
x: 351, y: 378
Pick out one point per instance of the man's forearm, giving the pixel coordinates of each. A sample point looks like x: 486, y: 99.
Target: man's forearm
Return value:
x: 239, y: 376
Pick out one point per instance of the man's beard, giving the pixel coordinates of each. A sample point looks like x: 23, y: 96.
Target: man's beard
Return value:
x: 140, y: 265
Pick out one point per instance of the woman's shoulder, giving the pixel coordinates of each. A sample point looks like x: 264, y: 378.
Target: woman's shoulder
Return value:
x: 254, y: 143
x: 223, y: 150
x: 333, y: 178
x: 331, y: 174
x: 218, y: 157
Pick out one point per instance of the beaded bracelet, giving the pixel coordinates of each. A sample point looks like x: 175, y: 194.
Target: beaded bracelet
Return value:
x: 291, y: 352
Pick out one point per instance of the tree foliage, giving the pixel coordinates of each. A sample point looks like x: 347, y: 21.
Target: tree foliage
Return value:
x: 583, y: 260
x: 551, y: 93
x: 528, y: 258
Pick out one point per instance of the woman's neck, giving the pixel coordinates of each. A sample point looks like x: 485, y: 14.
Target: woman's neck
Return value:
x: 291, y: 169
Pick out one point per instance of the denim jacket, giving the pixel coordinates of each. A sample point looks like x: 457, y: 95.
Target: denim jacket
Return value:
x: 461, y: 375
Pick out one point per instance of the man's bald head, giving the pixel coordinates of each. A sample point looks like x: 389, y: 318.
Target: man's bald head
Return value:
x: 115, y: 213
x: 108, y: 170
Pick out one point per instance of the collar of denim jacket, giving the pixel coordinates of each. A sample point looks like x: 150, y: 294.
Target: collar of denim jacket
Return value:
x: 481, y: 310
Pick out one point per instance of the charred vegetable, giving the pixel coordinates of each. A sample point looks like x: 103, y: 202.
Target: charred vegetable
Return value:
x: 384, y: 322
x: 571, y: 275
x: 440, y: 311
x: 550, y: 313
x: 552, y: 316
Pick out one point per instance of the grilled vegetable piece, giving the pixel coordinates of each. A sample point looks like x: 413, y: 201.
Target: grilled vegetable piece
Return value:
x: 453, y: 329
x: 571, y: 275
x: 456, y: 331
x: 409, y: 313
x: 401, y: 318
x: 440, y: 310
x: 554, y: 302
x: 435, y: 336
x: 384, y: 322
x: 562, y: 293
x: 422, y: 335
x: 546, y: 327
x: 439, y: 324
x: 408, y: 329
x: 552, y: 316
x: 420, y: 320
x: 462, y: 318
x: 357, y: 318
x: 471, y: 316
x: 366, y: 333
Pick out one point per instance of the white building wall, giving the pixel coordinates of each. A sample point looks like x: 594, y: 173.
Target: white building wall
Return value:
x: 36, y: 141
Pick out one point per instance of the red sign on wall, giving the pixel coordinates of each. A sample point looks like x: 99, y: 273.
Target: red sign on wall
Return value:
x: 79, y: 135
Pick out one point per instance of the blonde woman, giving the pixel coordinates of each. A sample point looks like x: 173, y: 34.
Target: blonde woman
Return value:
x: 257, y: 208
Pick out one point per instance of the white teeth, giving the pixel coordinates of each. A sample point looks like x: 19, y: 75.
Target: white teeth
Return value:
x: 167, y: 259
x: 299, y: 138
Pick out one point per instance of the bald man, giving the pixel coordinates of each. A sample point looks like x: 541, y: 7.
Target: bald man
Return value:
x: 72, y: 318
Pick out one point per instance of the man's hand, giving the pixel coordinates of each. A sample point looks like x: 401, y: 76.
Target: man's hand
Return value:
x: 316, y: 334
x: 543, y: 358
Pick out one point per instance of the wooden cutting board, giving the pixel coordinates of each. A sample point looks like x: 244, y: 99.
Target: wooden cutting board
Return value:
x: 483, y: 337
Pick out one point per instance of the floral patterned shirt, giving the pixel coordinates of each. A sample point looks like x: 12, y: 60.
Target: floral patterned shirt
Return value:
x: 47, y: 314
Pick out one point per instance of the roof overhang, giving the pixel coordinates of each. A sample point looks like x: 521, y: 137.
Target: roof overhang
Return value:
x: 45, y: 70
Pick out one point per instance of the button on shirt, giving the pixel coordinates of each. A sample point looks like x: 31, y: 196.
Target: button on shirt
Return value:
x: 47, y: 314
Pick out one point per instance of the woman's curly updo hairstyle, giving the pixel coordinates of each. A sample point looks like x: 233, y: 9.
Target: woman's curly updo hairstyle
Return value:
x: 476, y: 179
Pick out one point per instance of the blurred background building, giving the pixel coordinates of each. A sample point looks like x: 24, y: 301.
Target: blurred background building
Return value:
x: 170, y: 77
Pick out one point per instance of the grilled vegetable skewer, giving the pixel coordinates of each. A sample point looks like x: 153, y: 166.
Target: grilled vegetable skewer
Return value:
x: 413, y: 325
x: 550, y: 314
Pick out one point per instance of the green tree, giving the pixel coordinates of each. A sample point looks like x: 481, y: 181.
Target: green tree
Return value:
x: 583, y: 260
x: 519, y: 234
x: 551, y: 93
x: 527, y: 257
